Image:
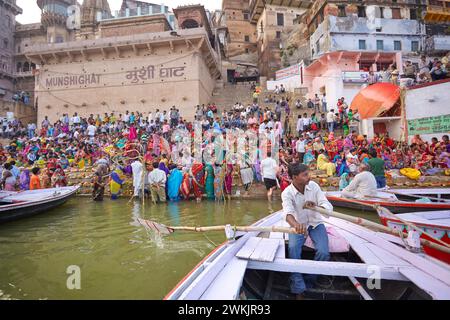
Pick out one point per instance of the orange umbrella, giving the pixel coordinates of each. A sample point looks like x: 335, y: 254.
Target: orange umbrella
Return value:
x: 376, y: 99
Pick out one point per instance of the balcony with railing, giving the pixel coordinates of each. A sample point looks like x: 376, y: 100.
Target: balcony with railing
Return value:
x: 437, y: 11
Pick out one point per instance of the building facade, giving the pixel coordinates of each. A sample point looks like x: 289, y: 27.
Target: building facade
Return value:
x: 8, y: 12
x: 273, y: 19
x: 134, y: 63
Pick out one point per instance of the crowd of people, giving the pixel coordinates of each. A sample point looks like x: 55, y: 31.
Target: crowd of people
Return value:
x: 129, y: 144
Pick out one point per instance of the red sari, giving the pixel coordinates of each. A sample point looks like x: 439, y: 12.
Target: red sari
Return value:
x: 198, y: 179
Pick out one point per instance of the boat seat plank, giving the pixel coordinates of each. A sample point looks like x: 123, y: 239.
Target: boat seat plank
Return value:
x: 227, y: 284
x: 248, y: 248
x: 331, y: 268
x: 281, y: 251
x: 414, y: 259
x: 390, y: 238
x: 435, y: 288
x: 359, y: 246
x: 265, y: 250
x: 385, y: 256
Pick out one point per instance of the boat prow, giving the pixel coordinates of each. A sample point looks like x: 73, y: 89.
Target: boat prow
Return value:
x: 18, y: 205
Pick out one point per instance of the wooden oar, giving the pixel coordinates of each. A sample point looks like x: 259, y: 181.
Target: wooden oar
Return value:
x: 382, y: 210
x: 376, y: 226
x: 416, y: 196
x: 165, y: 230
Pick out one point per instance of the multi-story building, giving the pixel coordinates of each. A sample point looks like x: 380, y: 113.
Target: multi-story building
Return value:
x: 8, y: 12
x: 365, y: 26
x: 347, y: 39
x: 132, y: 61
x: 241, y: 32
x: 273, y: 18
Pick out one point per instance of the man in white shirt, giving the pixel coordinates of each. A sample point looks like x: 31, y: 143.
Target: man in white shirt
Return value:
x: 324, y: 103
x: 306, y: 122
x: 75, y: 120
x: 157, y: 181
x: 363, y: 185
x: 298, y: 200
x: 137, y: 169
x: 91, y: 129
x: 300, y: 147
x: 269, y: 169
x: 330, y: 120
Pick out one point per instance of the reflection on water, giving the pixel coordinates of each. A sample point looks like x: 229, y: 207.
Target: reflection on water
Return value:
x: 118, y: 258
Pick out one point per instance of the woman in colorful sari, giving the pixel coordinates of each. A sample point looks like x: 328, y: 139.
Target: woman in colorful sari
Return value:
x: 323, y: 163
x: 59, y: 178
x: 309, y: 157
x: 185, y: 188
x: 331, y: 146
x: 218, y: 182
x: 174, y: 181
x: 133, y: 133
x: 198, y: 180
x: 209, y: 181
x: 228, y: 181
x: 116, y: 182
x: 344, y: 181
x: 341, y: 164
x: 24, y: 180
x: 45, y: 179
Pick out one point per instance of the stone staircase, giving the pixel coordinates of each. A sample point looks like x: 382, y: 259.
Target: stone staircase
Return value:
x: 226, y: 96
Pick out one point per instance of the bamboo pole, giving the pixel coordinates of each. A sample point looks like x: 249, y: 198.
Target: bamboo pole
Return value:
x: 376, y: 226
x: 237, y: 228
x: 410, y: 224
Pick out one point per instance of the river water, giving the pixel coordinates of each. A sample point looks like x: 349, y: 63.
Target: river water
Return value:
x: 116, y: 256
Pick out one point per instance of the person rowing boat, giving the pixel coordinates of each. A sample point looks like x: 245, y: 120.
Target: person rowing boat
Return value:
x: 298, y: 198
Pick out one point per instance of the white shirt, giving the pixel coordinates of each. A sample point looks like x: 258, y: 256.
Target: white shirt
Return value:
x: 76, y: 134
x: 293, y: 202
x: 300, y: 124
x: 269, y: 168
x: 364, y: 184
x: 91, y: 129
x: 75, y: 120
x: 157, y: 176
x: 126, y: 118
x: 330, y: 117
x: 300, y: 146
x: 306, y: 121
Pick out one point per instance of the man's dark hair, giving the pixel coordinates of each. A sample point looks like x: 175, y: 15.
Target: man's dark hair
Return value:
x: 35, y: 170
x: 155, y: 165
x: 373, y: 153
x: 295, y: 169
x: 269, y: 154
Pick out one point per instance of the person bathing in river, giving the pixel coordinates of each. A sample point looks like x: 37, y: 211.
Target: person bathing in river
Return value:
x: 298, y: 199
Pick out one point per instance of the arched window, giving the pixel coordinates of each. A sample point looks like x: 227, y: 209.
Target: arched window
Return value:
x: 19, y: 66
x: 26, y: 67
x: 189, y: 24
x: 8, y: 21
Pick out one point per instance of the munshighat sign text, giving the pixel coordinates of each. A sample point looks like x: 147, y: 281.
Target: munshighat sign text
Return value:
x: 439, y: 124
x: 132, y: 77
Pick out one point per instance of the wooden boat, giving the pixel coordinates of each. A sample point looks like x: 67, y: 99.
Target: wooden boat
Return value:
x: 396, y: 200
x: 436, y: 223
x: 18, y: 205
x: 254, y: 266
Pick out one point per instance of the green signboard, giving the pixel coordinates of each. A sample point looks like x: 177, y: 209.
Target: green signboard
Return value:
x: 440, y: 124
